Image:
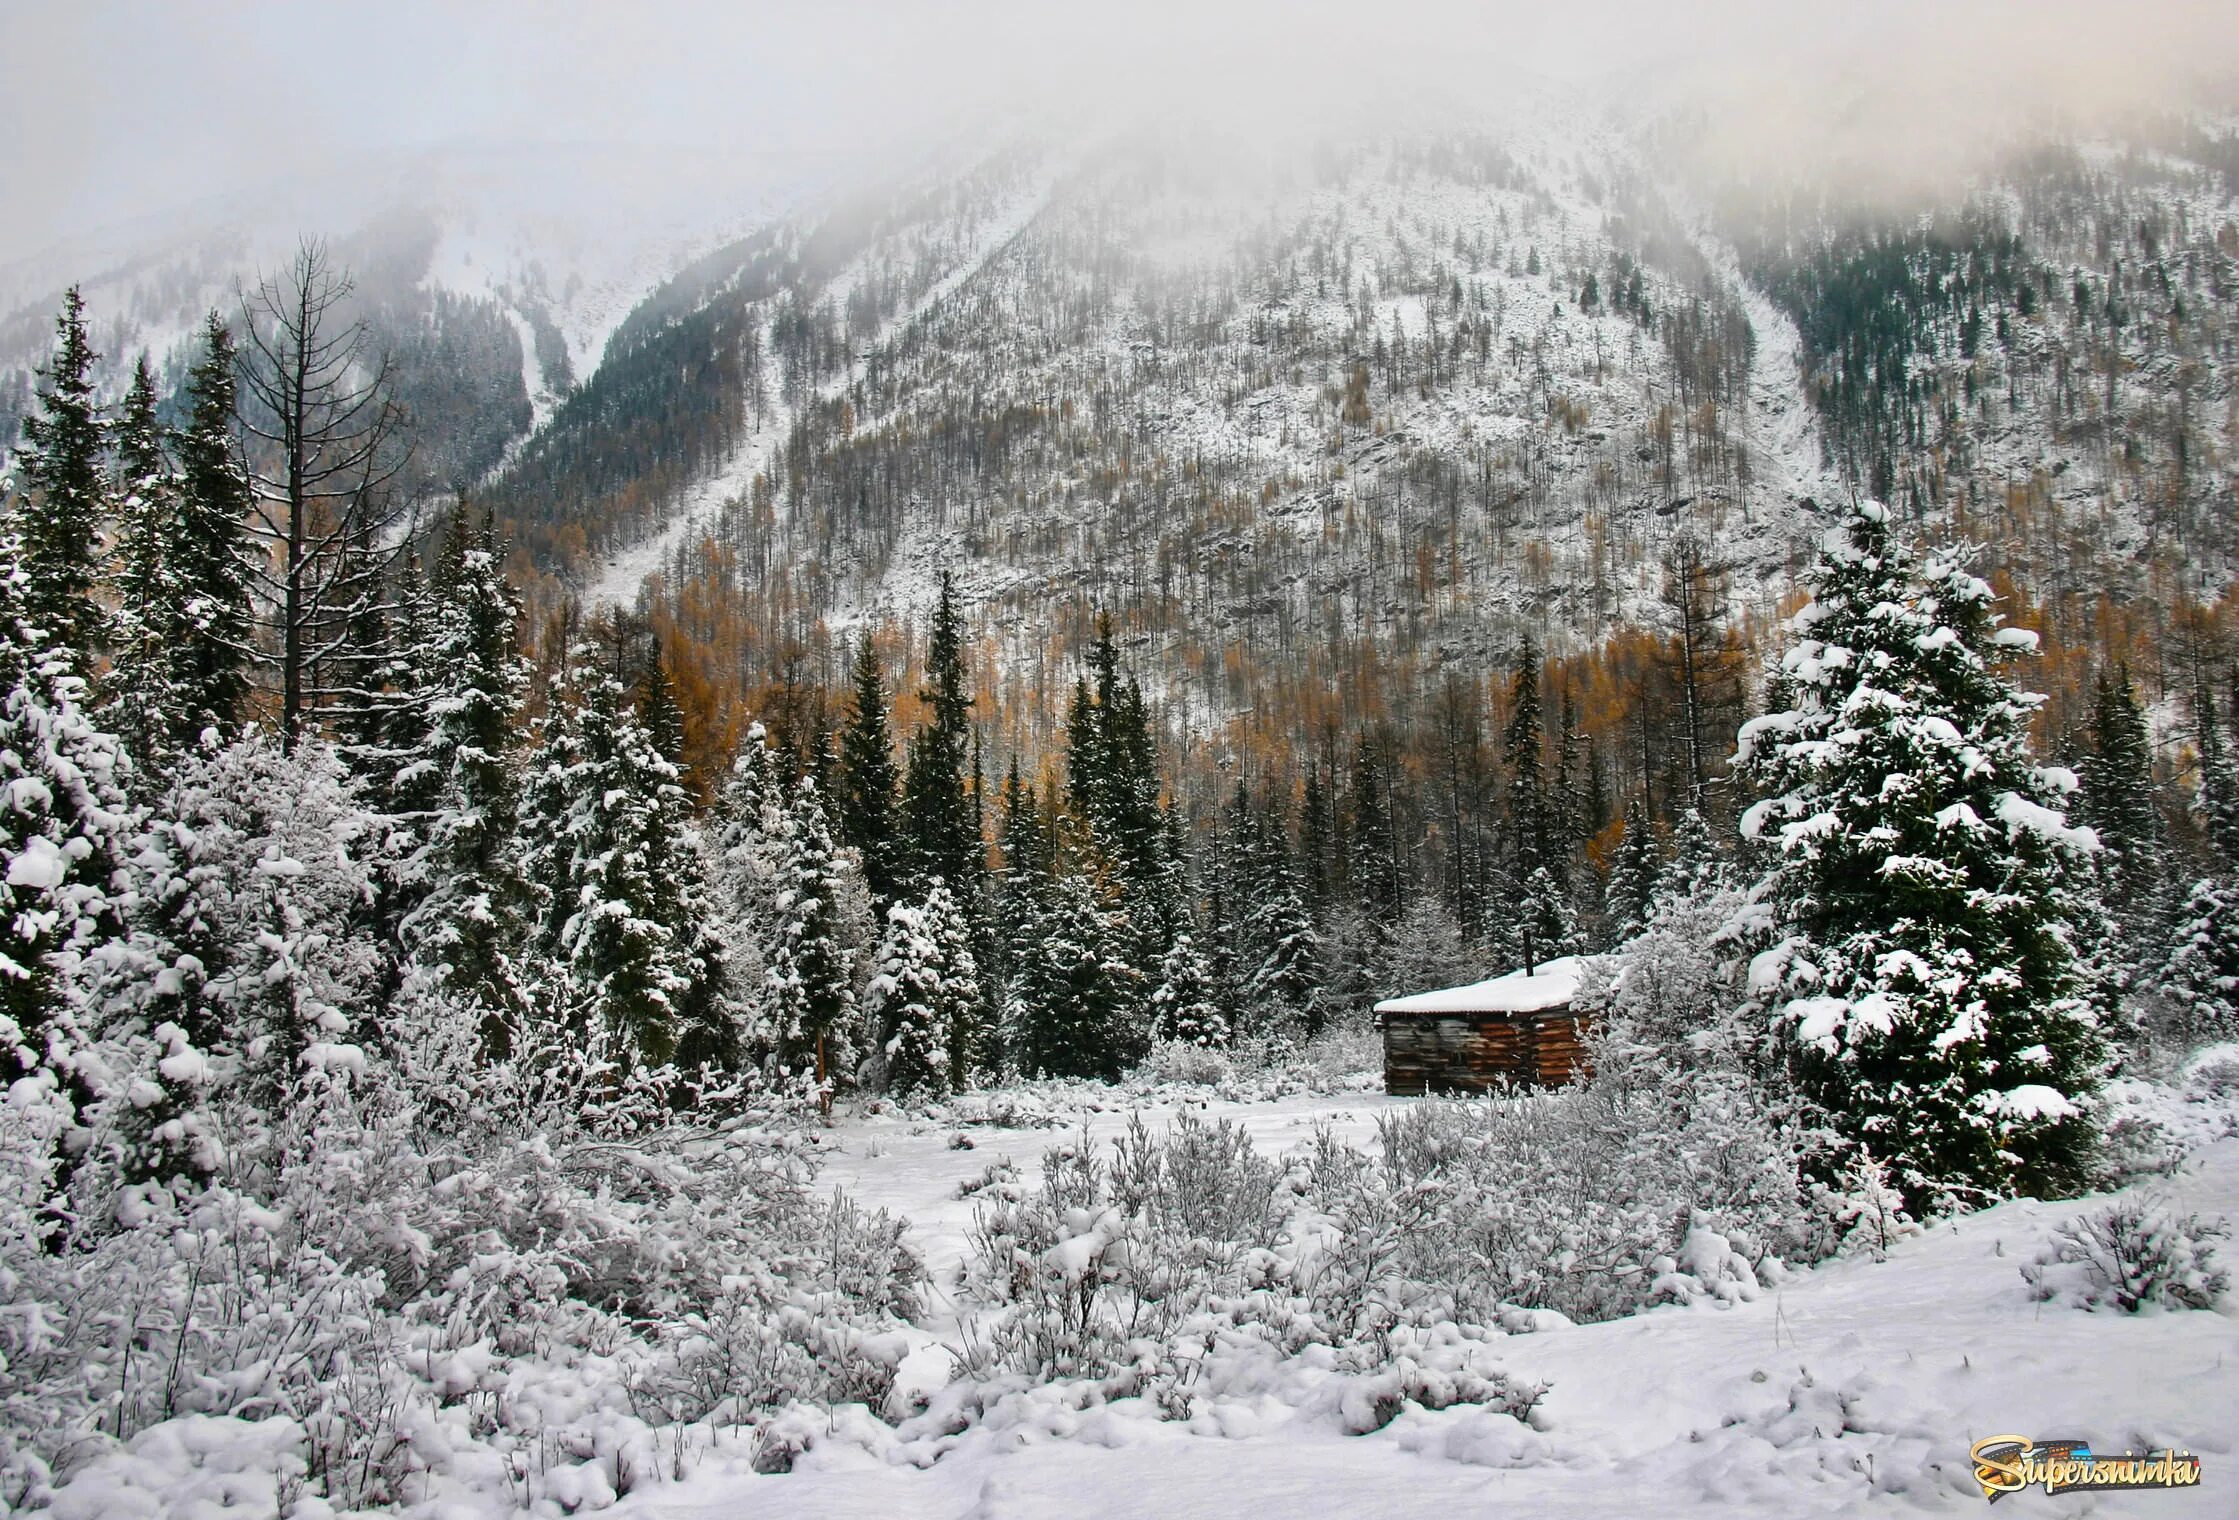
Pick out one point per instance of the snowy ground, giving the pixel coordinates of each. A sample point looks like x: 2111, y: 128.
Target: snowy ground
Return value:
x: 1860, y: 1385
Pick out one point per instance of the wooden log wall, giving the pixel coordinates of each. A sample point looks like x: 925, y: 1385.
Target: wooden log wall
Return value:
x: 1469, y: 1052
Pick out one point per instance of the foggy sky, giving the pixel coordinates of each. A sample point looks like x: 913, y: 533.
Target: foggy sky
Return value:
x: 121, y: 110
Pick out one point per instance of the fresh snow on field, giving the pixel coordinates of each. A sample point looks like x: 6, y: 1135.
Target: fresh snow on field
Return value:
x: 1858, y: 1385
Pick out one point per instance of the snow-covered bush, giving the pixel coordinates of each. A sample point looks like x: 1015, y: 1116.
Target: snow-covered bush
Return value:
x: 1584, y: 1200
x: 2132, y: 1253
x: 2211, y: 1074
x: 481, y: 1295
x: 1187, y: 1267
x: 1869, y: 1210
x: 1186, y: 1062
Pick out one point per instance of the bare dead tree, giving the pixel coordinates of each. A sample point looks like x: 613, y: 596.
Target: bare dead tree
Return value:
x: 1694, y: 598
x: 333, y: 442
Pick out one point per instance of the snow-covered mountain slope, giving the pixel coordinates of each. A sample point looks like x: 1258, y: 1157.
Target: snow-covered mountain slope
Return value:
x: 1417, y: 391
x: 1437, y: 388
x: 542, y: 253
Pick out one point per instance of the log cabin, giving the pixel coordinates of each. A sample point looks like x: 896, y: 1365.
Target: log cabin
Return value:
x: 1524, y: 1029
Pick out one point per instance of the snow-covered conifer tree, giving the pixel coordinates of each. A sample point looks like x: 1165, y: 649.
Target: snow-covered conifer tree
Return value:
x: 1632, y: 877
x: 473, y: 902
x: 1284, y: 984
x: 1545, y: 925
x: 1923, y: 973
x: 253, y: 937
x: 138, y: 695
x: 811, y: 995
x: 209, y: 557
x: 2202, y: 972
x: 1694, y: 865
x: 1182, y: 1006
x: 611, y: 850
x: 58, y: 526
x: 63, y: 825
x: 924, y: 1000
x: 1074, y: 994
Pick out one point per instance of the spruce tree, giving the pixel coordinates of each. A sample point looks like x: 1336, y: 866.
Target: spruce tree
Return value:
x: 59, y: 528
x: 610, y: 849
x: 1694, y: 865
x: 866, y: 805
x: 811, y: 996
x: 1378, y: 888
x: 1113, y: 788
x: 2217, y: 799
x: 1923, y: 973
x: 474, y: 901
x: 658, y: 708
x: 925, y: 999
x: 140, y: 699
x: 2201, y: 974
x: 2117, y: 802
x: 210, y: 558
x: 1183, y: 1008
x: 63, y: 829
x: 1545, y: 925
x: 939, y: 813
x: 1074, y: 995
x: 1284, y: 984
x: 1632, y: 877
x: 1531, y: 819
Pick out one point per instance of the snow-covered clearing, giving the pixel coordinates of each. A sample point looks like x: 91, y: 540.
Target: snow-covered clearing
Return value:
x: 1859, y: 1385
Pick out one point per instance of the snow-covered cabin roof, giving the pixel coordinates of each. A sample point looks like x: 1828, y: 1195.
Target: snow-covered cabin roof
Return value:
x: 1551, y: 984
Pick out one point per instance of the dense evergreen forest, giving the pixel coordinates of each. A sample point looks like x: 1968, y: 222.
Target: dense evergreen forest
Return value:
x: 893, y: 882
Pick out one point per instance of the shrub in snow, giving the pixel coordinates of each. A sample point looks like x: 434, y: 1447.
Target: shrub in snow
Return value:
x: 2130, y: 1254
x: 1187, y: 1267
x: 498, y: 1295
x: 1581, y: 1200
x: 1869, y: 1211
x: 2211, y: 1073
x: 1187, y: 1062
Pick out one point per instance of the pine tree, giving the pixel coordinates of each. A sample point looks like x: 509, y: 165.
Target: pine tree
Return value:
x: 866, y: 812
x: 1923, y: 973
x: 59, y: 527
